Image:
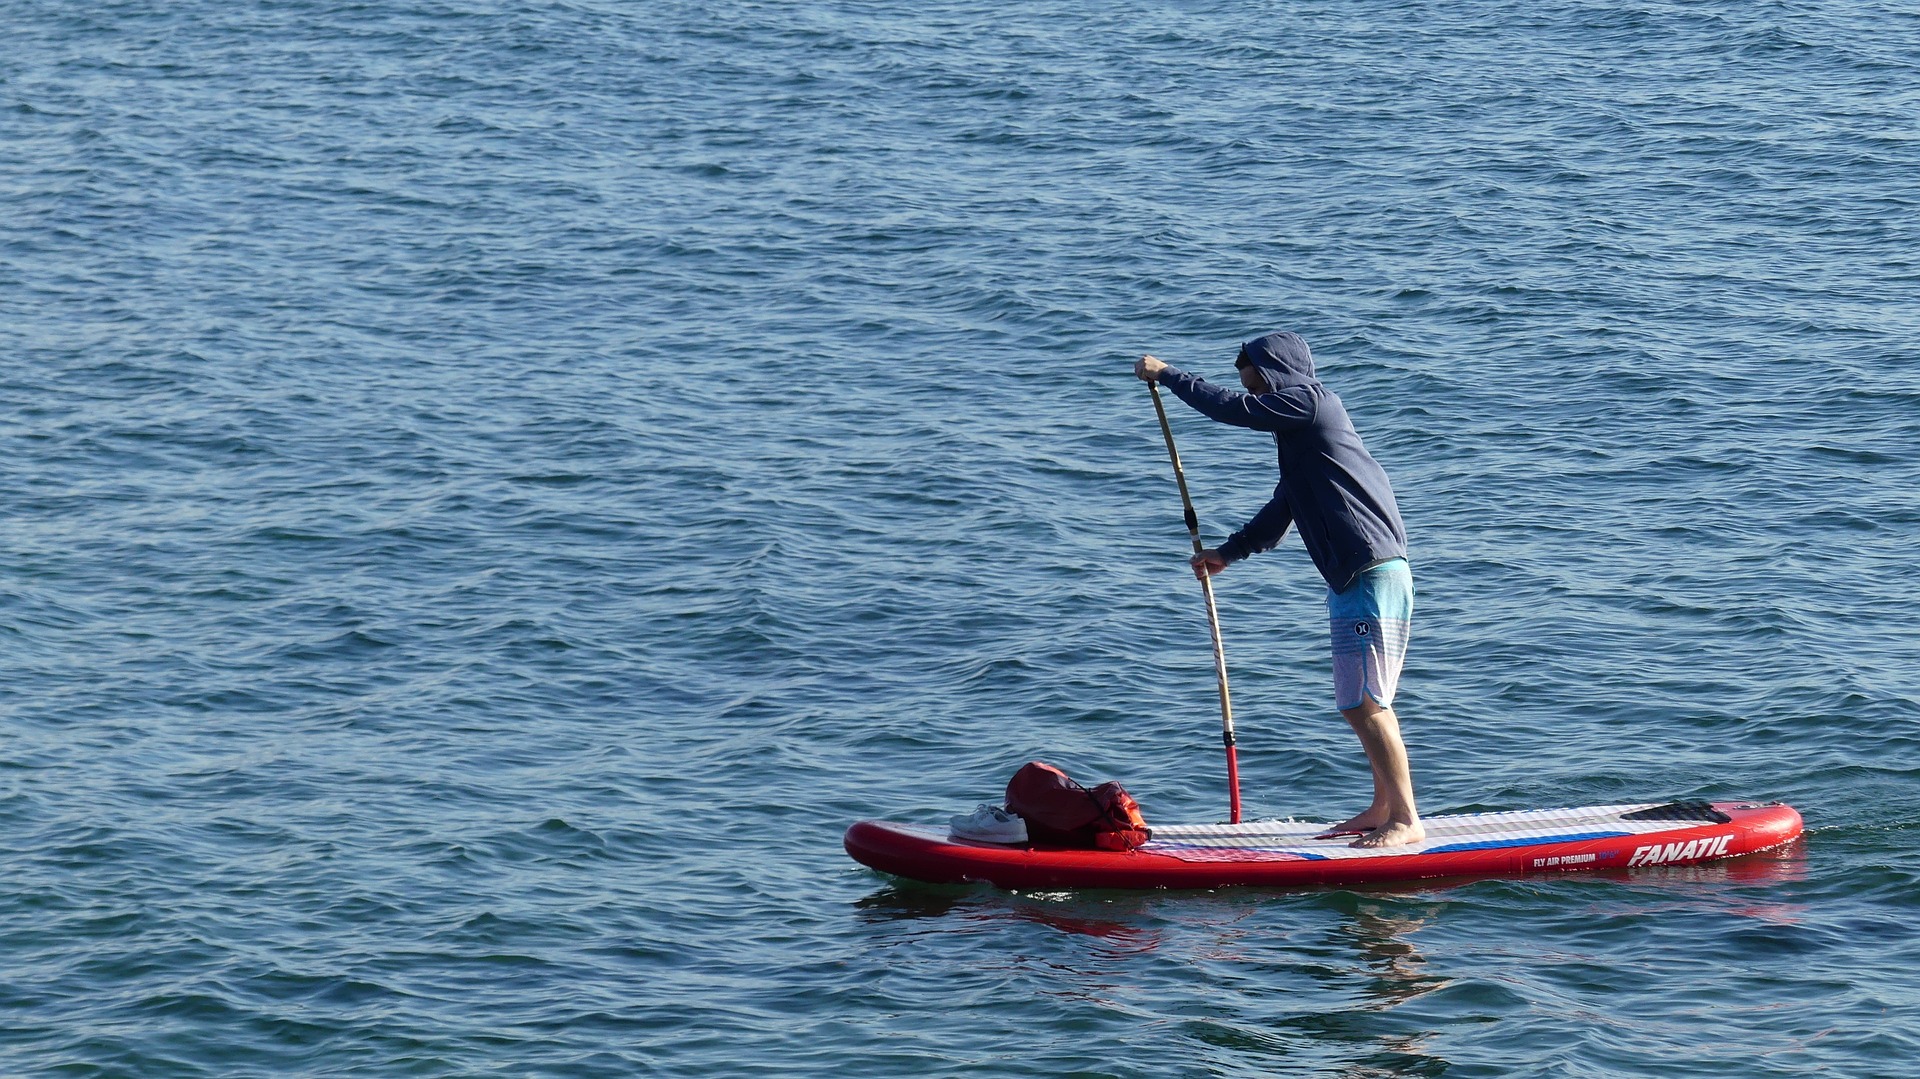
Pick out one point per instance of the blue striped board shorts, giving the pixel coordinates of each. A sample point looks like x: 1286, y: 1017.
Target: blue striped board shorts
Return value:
x: 1370, y: 622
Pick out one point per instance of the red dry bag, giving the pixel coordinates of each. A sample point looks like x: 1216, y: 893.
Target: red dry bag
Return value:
x: 1060, y: 812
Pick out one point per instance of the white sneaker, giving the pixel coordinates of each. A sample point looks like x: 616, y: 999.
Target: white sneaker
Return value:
x: 989, y: 824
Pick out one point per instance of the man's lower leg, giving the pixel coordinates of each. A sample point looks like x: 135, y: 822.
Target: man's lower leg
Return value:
x: 1393, y: 818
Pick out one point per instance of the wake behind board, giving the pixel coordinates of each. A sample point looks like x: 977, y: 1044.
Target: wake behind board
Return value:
x: 1287, y: 854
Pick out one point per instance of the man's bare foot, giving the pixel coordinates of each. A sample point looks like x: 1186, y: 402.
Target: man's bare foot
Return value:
x: 1366, y: 822
x: 1392, y: 834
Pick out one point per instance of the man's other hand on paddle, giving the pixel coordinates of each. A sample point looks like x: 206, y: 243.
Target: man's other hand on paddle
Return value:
x: 1148, y: 369
x: 1207, y: 563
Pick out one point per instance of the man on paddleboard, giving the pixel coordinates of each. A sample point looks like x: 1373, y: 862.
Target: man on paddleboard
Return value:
x: 1338, y: 496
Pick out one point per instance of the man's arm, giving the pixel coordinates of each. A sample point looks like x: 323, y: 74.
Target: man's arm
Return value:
x: 1264, y: 532
x: 1288, y: 410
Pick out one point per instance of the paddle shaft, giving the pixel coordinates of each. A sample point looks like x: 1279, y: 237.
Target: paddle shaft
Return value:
x: 1213, y: 615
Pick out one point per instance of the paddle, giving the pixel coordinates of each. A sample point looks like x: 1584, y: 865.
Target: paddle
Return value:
x: 1213, y: 615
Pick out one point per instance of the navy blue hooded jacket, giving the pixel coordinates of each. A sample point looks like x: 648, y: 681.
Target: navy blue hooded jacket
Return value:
x: 1329, y: 484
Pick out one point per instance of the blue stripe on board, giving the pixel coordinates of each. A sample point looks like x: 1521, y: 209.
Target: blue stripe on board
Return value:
x: 1530, y: 841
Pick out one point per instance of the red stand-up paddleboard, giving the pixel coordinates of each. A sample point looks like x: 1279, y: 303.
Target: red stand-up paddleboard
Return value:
x: 1288, y: 854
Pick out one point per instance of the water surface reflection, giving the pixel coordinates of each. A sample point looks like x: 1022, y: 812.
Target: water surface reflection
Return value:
x: 1351, y: 982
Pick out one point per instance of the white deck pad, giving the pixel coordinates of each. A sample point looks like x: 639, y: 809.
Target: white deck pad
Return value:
x: 1457, y: 832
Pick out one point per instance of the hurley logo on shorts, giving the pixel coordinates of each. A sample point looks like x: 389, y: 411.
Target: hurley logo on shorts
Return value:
x: 1660, y: 854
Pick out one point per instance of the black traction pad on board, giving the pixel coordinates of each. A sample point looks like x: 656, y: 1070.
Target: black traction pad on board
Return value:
x: 1687, y: 809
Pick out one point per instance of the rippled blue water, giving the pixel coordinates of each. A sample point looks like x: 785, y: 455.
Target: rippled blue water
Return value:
x: 493, y: 489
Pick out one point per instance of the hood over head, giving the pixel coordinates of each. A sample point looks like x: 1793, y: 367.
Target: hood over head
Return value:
x: 1283, y: 359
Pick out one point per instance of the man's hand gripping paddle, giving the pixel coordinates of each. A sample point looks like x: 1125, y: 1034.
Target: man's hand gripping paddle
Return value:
x: 1213, y: 615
